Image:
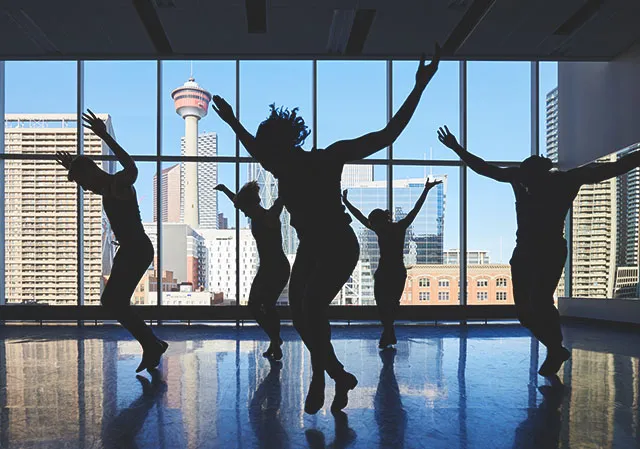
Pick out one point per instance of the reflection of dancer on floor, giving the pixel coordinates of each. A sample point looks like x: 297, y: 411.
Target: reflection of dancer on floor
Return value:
x: 273, y: 273
x: 543, y: 198
x: 391, y: 416
x: 264, y: 411
x: 391, y: 273
x: 135, y: 252
x: 541, y: 429
x: 121, y: 432
x: 309, y: 186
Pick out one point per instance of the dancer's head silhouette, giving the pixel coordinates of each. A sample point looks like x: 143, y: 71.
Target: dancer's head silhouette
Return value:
x: 535, y: 169
x: 86, y: 173
x: 283, y: 130
x: 248, y: 199
x: 380, y: 219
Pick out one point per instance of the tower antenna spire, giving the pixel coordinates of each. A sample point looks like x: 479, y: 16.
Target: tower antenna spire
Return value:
x: 191, y: 76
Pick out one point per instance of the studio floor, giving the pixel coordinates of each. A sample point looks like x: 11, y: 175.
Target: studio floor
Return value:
x: 443, y: 387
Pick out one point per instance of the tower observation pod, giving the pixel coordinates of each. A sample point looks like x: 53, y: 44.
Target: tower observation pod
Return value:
x: 192, y: 103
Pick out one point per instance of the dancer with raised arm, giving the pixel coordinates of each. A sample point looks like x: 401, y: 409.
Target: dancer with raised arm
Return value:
x: 135, y: 252
x: 309, y: 186
x: 391, y: 274
x: 273, y: 272
x: 543, y: 198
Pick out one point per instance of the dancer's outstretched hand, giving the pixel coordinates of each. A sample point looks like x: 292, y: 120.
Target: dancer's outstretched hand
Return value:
x: 430, y: 184
x: 222, y: 108
x: 426, y: 72
x: 94, y: 123
x: 448, y: 139
x: 220, y: 187
x: 64, y: 158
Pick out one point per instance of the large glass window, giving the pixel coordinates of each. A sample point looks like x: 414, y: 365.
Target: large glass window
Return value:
x: 440, y: 105
x: 348, y: 99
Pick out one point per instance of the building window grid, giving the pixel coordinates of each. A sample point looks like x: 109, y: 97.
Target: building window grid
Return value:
x: 237, y: 160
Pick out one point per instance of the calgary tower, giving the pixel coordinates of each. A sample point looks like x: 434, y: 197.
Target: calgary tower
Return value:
x: 192, y: 103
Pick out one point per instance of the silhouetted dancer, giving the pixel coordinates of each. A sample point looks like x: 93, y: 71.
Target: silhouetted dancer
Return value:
x: 309, y: 186
x: 273, y: 272
x: 541, y: 428
x: 265, y: 408
x: 121, y: 431
x: 389, y: 412
x: 391, y: 273
x: 135, y: 251
x: 543, y: 198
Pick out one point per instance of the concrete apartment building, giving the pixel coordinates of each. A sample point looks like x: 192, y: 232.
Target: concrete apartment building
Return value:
x: 41, y: 213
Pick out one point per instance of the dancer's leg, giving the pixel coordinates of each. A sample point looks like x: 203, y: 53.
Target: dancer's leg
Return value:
x: 338, y: 254
x: 546, y: 315
x: 129, y: 266
x: 388, y: 289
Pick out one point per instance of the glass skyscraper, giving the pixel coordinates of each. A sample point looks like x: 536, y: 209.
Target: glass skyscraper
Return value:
x: 424, y: 239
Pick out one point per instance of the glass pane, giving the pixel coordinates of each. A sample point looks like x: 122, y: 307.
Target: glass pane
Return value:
x: 431, y: 280
x: 249, y: 259
x: 126, y: 91
x: 352, y: 100
x: 40, y: 202
x: 440, y: 105
x: 499, y: 110
x: 99, y: 241
x: 491, y: 231
x: 366, y: 192
x: 210, y: 78
x: 39, y: 95
x: 284, y: 83
x: 198, y: 249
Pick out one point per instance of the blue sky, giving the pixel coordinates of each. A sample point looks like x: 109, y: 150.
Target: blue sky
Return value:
x: 351, y: 101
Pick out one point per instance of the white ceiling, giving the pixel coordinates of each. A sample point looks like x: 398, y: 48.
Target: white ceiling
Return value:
x: 299, y: 29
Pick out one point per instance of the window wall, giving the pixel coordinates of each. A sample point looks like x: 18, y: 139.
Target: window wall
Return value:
x: 205, y: 253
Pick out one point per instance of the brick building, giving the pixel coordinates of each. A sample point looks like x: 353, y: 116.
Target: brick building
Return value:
x: 432, y: 285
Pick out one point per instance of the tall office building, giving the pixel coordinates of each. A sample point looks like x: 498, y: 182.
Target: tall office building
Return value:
x: 183, y: 252
x: 354, y: 174
x: 424, y: 238
x: 594, y: 218
x: 171, y: 195
x: 41, y: 214
x: 207, y: 175
x: 221, y: 250
x: 628, y: 208
x: 552, y: 124
x: 191, y: 103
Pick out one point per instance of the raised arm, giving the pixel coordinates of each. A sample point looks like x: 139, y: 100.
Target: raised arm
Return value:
x: 478, y: 165
x: 406, y: 221
x: 361, y: 147
x: 598, y: 172
x: 224, y: 189
x: 355, y: 211
x: 273, y: 213
x: 129, y: 174
x: 223, y: 109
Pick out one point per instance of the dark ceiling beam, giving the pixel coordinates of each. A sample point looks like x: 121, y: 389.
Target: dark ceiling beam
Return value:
x: 256, y: 16
x: 359, y: 31
x: 471, y: 19
x: 149, y: 17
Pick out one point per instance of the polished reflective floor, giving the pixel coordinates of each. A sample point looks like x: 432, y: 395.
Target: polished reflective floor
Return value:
x: 444, y: 387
